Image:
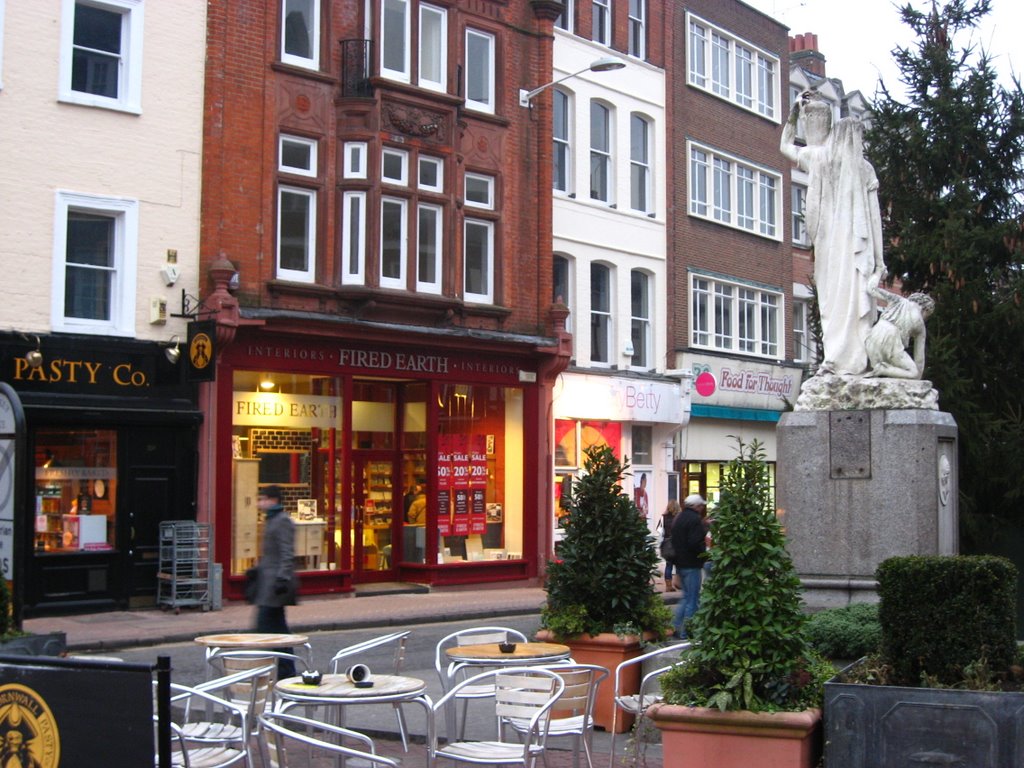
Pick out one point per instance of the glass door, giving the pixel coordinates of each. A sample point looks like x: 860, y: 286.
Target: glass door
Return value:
x: 373, y: 497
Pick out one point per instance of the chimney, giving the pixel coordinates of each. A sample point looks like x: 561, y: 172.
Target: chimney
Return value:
x: 803, y: 51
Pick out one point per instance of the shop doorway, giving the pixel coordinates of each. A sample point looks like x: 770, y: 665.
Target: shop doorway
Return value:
x: 376, y: 515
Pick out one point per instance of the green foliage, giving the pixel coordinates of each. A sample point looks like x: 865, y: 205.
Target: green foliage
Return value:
x: 602, y: 580
x: 750, y: 650
x: 946, y: 617
x: 950, y: 162
x: 849, y: 632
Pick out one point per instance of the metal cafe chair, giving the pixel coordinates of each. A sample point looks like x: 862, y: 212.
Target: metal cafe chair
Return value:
x: 283, y: 735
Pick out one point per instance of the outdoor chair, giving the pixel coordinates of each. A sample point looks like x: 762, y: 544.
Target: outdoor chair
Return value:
x: 283, y: 735
x: 526, y: 694
x: 650, y: 692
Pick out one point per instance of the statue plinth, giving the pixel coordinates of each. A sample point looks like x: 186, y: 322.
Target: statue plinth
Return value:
x: 843, y: 392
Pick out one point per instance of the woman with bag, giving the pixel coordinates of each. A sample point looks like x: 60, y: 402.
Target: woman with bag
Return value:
x: 667, y: 553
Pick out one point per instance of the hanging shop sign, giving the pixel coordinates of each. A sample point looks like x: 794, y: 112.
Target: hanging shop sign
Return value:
x: 202, y: 350
x: 742, y: 383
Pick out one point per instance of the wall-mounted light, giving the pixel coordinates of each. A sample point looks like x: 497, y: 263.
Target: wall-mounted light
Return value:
x: 267, y: 382
x: 604, y: 64
x: 172, y: 350
x: 34, y: 357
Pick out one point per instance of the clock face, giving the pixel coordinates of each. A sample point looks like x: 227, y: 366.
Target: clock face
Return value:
x: 99, y: 489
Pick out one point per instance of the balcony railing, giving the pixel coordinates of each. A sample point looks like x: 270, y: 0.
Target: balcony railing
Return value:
x: 356, y: 58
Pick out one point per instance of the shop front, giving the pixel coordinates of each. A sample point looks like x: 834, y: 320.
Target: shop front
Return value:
x: 397, y: 461
x: 111, y: 435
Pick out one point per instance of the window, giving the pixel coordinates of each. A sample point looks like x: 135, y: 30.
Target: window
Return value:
x: 732, y: 69
x: 300, y: 33
x: 101, y: 54
x: 94, y: 264
x: 479, y: 191
x: 479, y: 261
x: 394, y: 40
x: 479, y: 71
x: 431, y: 174
x: 355, y: 160
x: 561, y: 284
x: 565, y: 18
x: 393, y: 234
x: 733, y: 192
x: 296, y: 234
x: 738, y: 317
x: 643, y: 440
x: 799, y: 192
x: 297, y: 155
x: 639, y: 164
x: 562, y: 149
x: 433, y: 66
x: 428, y: 248
x: 640, y: 308
x: 803, y: 343
x: 394, y: 166
x: 601, y: 16
x: 600, y: 313
x: 353, y: 238
x: 637, y: 36
x: 600, y: 152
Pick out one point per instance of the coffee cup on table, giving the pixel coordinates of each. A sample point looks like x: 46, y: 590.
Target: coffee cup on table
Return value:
x: 359, y: 673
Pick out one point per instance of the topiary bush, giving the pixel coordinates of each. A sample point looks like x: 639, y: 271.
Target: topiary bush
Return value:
x: 849, y: 632
x: 943, y: 615
x: 602, y: 580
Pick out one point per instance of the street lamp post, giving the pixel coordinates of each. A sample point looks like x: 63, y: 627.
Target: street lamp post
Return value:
x: 604, y: 64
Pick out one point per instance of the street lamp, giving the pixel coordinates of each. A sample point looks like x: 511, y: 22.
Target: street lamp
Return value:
x: 604, y: 64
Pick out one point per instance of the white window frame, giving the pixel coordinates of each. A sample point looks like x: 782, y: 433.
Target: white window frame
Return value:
x: 640, y: 331
x: 640, y: 167
x: 602, y: 155
x: 601, y: 22
x: 389, y: 36
x: 125, y: 213
x: 487, y: 203
x: 355, y: 160
x: 713, y: 183
x: 310, y: 144
x: 430, y: 286
x: 602, y: 316
x: 439, y: 84
x: 798, y: 204
x: 718, y: 322
x: 803, y: 343
x: 129, y: 79
x: 714, y: 66
x: 567, y: 295
x: 488, y: 102
x: 561, y: 138
x: 438, y: 165
x: 353, y: 238
x: 566, y: 19
x: 402, y: 156
x: 488, y: 295
x: 307, y: 275
x: 313, y: 61
x: 403, y: 243
x: 637, y: 26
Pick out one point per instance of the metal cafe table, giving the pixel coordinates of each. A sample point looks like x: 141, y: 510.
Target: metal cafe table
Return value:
x: 254, y: 641
x: 525, y: 654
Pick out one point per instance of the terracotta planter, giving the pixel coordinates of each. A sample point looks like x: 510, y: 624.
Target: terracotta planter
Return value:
x: 695, y: 737
x: 607, y: 650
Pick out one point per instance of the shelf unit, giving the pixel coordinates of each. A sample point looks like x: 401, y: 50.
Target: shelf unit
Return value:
x: 185, y: 565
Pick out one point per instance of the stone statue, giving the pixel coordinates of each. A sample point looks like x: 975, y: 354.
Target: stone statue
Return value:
x: 845, y: 226
x: 901, y: 323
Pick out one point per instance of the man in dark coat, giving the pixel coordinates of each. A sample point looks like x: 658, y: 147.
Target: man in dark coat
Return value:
x: 688, y: 542
x: 276, y: 584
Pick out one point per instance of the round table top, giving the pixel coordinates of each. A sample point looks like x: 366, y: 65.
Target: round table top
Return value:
x: 340, y: 687
x: 523, y: 651
x: 251, y: 640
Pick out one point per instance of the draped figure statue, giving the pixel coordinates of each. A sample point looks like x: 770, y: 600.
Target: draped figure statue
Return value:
x: 844, y: 223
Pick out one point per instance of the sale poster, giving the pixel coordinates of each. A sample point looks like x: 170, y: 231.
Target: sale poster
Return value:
x: 478, y: 484
x: 444, y: 485
x: 460, y: 484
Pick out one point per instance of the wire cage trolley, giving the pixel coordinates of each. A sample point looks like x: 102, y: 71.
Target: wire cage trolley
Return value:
x: 186, y: 557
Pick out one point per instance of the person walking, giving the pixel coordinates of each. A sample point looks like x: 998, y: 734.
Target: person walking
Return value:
x: 667, y: 518
x: 276, y: 584
x: 688, y: 542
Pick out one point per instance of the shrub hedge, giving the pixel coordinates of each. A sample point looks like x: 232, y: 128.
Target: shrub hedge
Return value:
x: 940, y: 614
x: 849, y: 632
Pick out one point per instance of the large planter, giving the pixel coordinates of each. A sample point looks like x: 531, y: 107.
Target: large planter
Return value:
x: 607, y: 650
x: 697, y: 737
x: 880, y: 725
x: 46, y: 644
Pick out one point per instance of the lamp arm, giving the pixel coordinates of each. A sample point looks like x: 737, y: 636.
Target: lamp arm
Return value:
x: 525, y: 97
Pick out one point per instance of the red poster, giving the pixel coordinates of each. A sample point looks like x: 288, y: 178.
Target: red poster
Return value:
x: 461, y: 524
x: 478, y: 484
x: 460, y: 461
x: 444, y: 485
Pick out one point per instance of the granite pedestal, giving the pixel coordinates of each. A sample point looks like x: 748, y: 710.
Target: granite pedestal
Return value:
x: 857, y: 487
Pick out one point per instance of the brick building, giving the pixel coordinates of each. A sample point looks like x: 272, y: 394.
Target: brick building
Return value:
x: 380, y: 280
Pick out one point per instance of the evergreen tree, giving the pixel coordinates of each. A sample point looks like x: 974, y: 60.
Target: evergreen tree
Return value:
x: 950, y: 166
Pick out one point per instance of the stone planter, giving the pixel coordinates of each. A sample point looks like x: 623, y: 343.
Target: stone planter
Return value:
x: 48, y: 644
x: 607, y: 650
x: 880, y: 725
x: 697, y: 737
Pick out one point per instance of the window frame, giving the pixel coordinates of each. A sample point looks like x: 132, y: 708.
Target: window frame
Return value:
x: 736, y: 316
x: 488, y: 104
x: 353, y: 149
x: 125, y: 214
x: 636, y: 24
x: 601, y: 318
x: 307, y: 275
x: 640, y: 326
x: 403, y: 157
x: 798, y: 226
x: 311, y: 144
x: 561, y: 150
x: 438, y: 164
x: 401, y: 281
x: 441, y: 83
x: 348, y: 234
x: 130, y: 56
x: 803, y: 342
x: 601, y: 155
x: 713, y: 191
x: 489, y: 186
x: 313, y: 61
x: 562, y: 266
x: 387, y: 35
x: 566, y: 19
x: 640, y: 165
x: 427, y: 286
x: 487, y: 297
x: 601, y: 22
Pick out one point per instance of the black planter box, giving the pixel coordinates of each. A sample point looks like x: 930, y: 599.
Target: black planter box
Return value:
x: 879, y: 726
x: 49, y: 644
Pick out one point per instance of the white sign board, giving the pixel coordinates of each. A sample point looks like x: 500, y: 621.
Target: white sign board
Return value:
x: 7, y: 475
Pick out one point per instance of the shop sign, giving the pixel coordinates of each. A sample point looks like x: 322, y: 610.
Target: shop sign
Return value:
x: 742, y: 383
x: 272, y: 409
x: 202, y: 350
x: 583, y: 396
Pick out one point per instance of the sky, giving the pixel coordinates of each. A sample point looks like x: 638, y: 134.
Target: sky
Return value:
x: 857, y: 38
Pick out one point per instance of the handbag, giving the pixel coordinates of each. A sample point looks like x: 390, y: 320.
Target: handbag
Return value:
x: 252, y: 580
x: 668, y: 552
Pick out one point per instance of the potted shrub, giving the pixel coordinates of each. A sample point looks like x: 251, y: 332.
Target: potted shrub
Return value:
x: 945, y: 687
x: 14, y: 642
x: 601, y: 598
x: 749, y: 691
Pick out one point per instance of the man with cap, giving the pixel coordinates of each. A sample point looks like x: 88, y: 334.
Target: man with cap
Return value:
x: 276, y: 585
x: 688, y: 542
